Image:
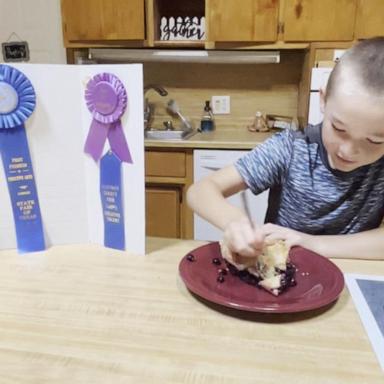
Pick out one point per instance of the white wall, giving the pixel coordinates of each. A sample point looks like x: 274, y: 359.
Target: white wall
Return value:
x: 39, y: 23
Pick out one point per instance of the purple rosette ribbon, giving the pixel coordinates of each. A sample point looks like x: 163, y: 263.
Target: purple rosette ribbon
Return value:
x: 106, y: 99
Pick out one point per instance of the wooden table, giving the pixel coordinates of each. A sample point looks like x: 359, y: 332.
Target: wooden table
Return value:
x: 86, y: 314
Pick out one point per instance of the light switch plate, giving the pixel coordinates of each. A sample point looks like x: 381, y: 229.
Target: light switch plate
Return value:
x: 221, y: 105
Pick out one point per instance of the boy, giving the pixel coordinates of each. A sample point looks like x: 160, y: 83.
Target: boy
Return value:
x: 326, y: 183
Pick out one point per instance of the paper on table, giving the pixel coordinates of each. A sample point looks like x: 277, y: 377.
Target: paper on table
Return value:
x: 368, y: 295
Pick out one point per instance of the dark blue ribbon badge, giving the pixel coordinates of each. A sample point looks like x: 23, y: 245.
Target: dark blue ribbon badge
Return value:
x: 111, y: 200
x: 17, y: 102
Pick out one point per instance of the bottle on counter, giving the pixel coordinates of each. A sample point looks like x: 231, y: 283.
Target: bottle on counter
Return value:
x: 207, y: 123
x: 259, y: 124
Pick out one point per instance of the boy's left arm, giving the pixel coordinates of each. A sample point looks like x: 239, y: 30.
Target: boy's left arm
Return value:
x: 363, y: 245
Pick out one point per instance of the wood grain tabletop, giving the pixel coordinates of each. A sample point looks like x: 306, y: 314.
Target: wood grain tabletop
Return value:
x: 87, y: 314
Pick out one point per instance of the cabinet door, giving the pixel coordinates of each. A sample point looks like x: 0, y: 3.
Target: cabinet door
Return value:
x: 369, y: 19
x: 103, y: 19
x: 315, y: 20
x: 162, y: 212
x: 245, y: 20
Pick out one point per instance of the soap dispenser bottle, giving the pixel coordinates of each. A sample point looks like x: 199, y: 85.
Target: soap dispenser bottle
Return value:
x: 207, y: 122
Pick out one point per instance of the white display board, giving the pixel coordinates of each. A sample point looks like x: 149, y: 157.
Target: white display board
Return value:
x: 67, y: 179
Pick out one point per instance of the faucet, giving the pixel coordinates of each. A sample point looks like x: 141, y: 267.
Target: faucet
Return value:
x: 173, y: 107
x: 149, y: 109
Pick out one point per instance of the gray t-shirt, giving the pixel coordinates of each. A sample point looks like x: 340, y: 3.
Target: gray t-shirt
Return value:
x: 306, y: 194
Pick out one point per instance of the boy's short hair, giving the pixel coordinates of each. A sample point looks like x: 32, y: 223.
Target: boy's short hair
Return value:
x: 366, y: 61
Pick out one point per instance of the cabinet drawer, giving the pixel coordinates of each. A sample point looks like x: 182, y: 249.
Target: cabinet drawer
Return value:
x: 167, y: 164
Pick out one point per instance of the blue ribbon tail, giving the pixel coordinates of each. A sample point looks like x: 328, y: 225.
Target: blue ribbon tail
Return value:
x: 22, y: 189
x: 111, y: 200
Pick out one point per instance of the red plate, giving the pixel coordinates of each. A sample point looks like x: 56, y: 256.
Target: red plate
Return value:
x: 319, y: 282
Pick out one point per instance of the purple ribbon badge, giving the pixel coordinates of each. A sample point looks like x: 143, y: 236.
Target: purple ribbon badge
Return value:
x: 106, y: 99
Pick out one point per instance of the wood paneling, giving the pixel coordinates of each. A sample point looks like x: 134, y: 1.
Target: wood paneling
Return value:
x: 186, y: 212
x: 87, y: 20
x: 314, y: 20
x: 149, y: 27
x: 304, y: 89
x: 250, y: 20
x: 369, y: 19
x: 324, y: 52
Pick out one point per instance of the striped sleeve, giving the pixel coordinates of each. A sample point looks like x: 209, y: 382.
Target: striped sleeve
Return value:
x: 267, y: 164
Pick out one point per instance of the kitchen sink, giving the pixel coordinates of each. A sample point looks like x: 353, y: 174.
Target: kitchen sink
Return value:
x: 168, y: 134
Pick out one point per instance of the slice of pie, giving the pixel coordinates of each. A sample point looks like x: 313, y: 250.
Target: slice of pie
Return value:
x: 271, y: 270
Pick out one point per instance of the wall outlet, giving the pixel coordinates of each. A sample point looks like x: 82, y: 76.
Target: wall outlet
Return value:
x: 221, y: 105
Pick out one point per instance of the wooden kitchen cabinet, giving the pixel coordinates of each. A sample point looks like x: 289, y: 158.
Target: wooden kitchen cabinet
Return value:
x: 314, y: 20
x: 227, y: 22
x: 162, y: 215
x: 168, y: 174
x: 102, y: 20
x: 282, y: 21
x: 369, y: 19
x: 156, y: 10
x: 248, y: 20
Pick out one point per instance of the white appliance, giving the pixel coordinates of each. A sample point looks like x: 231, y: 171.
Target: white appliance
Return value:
x: 207, y: 161
x: 319, y: 79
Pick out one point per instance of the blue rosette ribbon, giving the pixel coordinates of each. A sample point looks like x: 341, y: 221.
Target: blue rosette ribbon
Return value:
x: 17, y: 103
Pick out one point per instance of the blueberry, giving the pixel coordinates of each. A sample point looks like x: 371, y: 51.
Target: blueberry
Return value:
x: 222, y: 271
x: 232, y: 269
x: 248, y: 278
x: 216, y: 261
x: 190, y: 257
x: 220, y: 279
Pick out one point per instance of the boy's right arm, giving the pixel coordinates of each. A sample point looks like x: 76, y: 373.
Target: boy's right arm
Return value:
x: 207, y: 198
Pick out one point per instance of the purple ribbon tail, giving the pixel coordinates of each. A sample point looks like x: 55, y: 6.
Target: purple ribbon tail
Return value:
x: 118, y: 142
x: 98, y: 133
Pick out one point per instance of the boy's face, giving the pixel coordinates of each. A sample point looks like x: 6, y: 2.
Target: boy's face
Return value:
x: 353, y: 127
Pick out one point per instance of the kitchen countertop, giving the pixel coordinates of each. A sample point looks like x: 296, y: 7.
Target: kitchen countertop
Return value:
x: 88, y: 314
x: 218, y: 139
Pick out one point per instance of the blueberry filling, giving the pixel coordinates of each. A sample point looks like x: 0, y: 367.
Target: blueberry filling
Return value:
x: 243, y: 275
x: 287, y: 278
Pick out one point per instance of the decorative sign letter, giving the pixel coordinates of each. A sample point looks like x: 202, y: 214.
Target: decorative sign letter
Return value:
x: 178, y: 28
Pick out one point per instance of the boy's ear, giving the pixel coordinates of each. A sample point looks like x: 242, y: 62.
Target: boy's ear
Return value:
x: 322, y: 92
